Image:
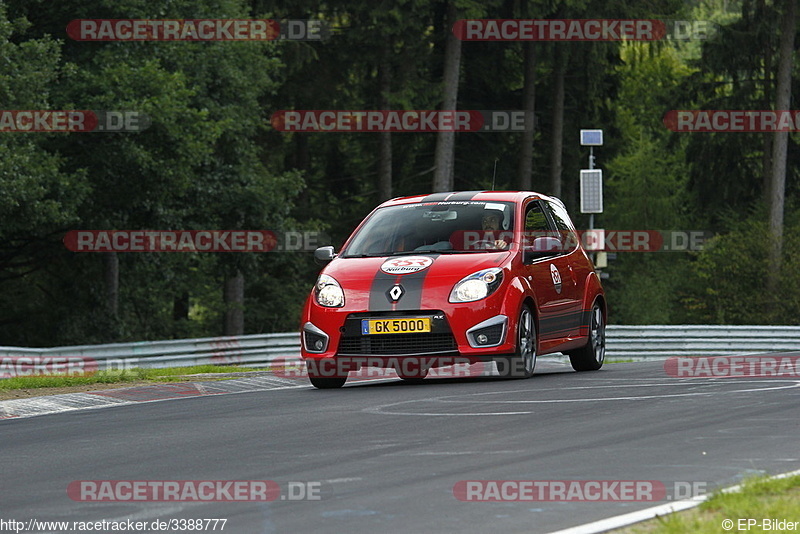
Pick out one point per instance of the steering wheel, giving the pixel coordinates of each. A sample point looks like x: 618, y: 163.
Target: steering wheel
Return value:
x: 486, y: 244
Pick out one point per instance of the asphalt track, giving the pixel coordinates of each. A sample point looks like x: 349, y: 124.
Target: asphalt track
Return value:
x: 386, y: 455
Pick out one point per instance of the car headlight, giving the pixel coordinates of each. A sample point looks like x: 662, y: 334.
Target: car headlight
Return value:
x: 328, y: 292
x: 477, y: 285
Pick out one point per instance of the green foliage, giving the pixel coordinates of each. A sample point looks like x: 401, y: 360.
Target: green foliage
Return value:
x: 729, y: 275
x: 171, y: 374
x: 210, y: 160
x: 758, y: 498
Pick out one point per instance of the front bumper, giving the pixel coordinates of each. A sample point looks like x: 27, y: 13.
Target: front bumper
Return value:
x: 340, y: 335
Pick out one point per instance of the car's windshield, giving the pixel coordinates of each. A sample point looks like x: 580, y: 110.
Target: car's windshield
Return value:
x: 446, y: 227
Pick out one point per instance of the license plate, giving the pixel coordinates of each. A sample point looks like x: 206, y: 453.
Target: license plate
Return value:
x: 406, y: 325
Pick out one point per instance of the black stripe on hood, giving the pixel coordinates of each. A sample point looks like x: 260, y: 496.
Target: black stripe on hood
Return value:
x: 412, y: 286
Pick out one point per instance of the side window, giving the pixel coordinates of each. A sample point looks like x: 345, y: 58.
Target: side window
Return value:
x: 538, y: 225
x: 535, y: 220
x: 564, y: 225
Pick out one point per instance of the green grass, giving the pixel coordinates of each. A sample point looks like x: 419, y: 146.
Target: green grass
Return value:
x: 759, y: 499
x: 114, y: 376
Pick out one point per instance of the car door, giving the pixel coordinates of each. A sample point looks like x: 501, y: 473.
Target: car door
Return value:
x: 551, y: 276
x: 573, y: 269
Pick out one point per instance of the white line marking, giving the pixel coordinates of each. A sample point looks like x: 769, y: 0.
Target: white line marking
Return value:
x: 51, y: 405
x: 639, y: 397
x: 469, y: 398
x: 379, y: 410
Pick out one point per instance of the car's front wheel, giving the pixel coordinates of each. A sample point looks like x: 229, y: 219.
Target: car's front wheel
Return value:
x: 413, y: 372
x: 414, y: 379
x: 522, y: 363
x: 327, y: 382
x: 322, y: 377
x: 591, y: 356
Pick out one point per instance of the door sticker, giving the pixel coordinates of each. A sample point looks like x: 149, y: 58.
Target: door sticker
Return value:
x: 556, y: 276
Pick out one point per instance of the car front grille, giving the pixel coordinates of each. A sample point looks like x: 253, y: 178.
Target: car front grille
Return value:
x: 397, y: 344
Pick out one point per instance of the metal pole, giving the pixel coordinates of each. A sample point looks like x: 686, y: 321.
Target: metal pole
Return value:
x: 591, y: 215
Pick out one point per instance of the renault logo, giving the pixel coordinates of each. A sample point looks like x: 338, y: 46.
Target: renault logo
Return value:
x: 395, y: 293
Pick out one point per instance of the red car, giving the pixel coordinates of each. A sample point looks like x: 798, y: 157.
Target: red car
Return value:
x: 432, y: 280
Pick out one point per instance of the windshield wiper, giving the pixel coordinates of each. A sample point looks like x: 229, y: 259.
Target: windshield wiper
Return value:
x: 454, y: 251
x: 384, y: 254
x: 373, y: 255
x: 418, y: 252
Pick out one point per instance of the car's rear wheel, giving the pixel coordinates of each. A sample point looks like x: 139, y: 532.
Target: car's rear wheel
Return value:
x: 522, y: 363
x: 590, y: 357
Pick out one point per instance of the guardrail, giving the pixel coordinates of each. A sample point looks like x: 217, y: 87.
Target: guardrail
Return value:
x: 249, y: 351
x: 663, y: 341
x: 622, y: 342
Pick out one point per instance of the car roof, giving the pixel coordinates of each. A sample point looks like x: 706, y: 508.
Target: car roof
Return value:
x: 505, y: 196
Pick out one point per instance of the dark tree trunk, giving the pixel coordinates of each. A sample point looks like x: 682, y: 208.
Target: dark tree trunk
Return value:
x: 780, y: 144
x: 525, y: 168
x: 446, y: 141
x: 385, y: 139
x: 112, y: 283
x: 766, y: 159
x: 233, y: 296
x: 558, y: 122
x: 180, y: 307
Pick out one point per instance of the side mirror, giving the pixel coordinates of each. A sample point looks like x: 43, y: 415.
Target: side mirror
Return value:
x: 324, y: 254
x: 541, y: 248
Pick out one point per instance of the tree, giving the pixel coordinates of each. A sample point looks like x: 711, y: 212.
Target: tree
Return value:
x: 559, y: 71
x: 445, y: 140
x: 39, y: 193
x: 198, y: 166
x: 525, y: 165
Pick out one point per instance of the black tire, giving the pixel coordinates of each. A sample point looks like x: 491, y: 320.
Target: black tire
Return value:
x: 522, y: 363
x: 414, y: 373
x: 591, y: 357
x: 327, y: 382
x: 413, y: 379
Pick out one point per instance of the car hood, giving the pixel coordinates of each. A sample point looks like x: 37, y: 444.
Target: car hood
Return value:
x: 426, y: 278
x: 441, y: 265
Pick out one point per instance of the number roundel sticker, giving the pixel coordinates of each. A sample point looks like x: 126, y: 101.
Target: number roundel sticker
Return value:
x: 556, y: 276
x: 411, y: 264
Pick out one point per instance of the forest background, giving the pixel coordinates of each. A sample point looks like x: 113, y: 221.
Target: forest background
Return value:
x: 211, y: 160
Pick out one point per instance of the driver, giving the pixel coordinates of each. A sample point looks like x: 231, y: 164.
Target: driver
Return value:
x: 492, y: 222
